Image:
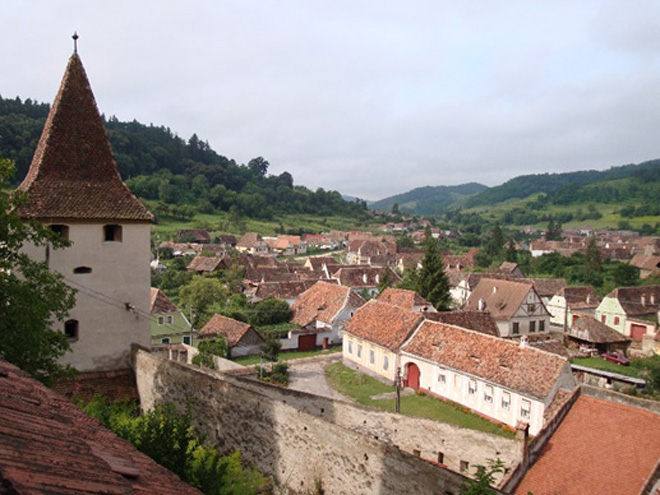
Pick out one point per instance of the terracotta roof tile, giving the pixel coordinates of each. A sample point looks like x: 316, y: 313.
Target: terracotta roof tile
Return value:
x: 479, y: 321
x: 48, y: 445
x: 638, y: 301
x: 589, y: 329
x: 403, y: 298
x: 160, y: 303
x: 205, y: 264
x: 583, y: 297
x: 323, y: 301
x: 363, y: 276
x: 600, y: 447
x: 74, y: 174
x: 233, y: 330
x: 383, y: 324
x: 524, y: 369
x: 502, y: 297
x: 284, y: 290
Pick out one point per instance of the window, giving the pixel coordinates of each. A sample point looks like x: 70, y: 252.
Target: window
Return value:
x: 165, y: 340
x: 441, y: 458
x: 61, y: 230
x: 525, y: 408
x: 541, y: 325
x: 506, y: 400
x: 359, y: 350
x: 187, y: 340
x: 71, y: 329
x: 82, y: 270
x: 169, y: 320
x: 372, y: 356
x: 488, y: 393
x: 161, y: 320
x: 472, y: 387
x: 603, y: 318
x: 442, y: 378
x: 465, y: 465
x: 386, y: 362
x: 516, y: 328
x: 112, y: 233
x: 350, y: 347
x: 532, y: 326
x: 616, y: 320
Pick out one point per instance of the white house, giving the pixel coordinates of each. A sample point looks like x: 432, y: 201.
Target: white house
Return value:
x: 74, y: 187
x: 506, y: 381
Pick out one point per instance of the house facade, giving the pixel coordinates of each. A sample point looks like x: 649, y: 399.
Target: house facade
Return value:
x: 252, y: 243
x: 73, y: 186
x: 506, y: 381
x: 516, y: 307
x: 564, y: 306
x: 374, y: 335
x: 168, y: 323
x: 631, y: 311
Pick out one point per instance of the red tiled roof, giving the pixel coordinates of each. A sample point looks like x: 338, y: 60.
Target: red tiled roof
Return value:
x: 284, y: 290
x: 363, y: 276
x: 233, y: 330
x: 600, y: 447
x: 403, y: 298
x: 74, y: 174
x: 479, y: 321
x: 48, y: 445
x: 631, y: 299
x: 206, y: 264
x: 160, y: 303
x: 583, y: 297
x: 323, y: 301
x: 524, y: 369
x: 383, y: 324
x: 502, y: 297
x: 589, y: 329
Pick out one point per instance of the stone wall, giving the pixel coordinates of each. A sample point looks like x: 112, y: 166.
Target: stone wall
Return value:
x: 298, y: 438
x: 114, y: 385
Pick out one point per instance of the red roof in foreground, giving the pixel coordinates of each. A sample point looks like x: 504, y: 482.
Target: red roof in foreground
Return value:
x: 600, y: 447
x: 74, y: 174
x: 49, y: 446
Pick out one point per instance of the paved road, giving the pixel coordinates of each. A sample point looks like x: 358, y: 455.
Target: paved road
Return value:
x: 307, y: 375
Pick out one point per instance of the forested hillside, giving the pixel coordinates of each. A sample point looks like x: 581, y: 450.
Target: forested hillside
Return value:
x: 181, y: 177
x: 427, y: 200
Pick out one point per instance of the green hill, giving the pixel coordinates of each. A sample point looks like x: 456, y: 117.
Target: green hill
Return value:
x: 427, y: 200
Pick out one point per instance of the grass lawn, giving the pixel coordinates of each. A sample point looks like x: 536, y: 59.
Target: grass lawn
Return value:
x: 287, y: 355
x: 602, y: 364
x: 362, y: 387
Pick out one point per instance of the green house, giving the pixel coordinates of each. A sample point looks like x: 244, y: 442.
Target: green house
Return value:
x: 168, y: 323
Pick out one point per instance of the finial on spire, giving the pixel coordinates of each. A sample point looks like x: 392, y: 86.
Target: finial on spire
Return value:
x: 75, y: 42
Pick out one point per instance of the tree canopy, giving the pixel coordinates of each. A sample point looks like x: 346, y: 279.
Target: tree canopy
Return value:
x: 31, y: 297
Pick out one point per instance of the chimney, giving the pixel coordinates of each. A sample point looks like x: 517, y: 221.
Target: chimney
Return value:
x: 522, y: 437
x: 495, y: 289
x: 523, y: 341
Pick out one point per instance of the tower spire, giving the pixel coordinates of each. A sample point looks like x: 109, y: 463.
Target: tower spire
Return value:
x: 75, y: 41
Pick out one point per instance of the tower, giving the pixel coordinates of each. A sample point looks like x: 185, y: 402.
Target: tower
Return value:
x: 73, y: 186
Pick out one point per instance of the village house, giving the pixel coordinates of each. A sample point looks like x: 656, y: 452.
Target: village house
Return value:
x: 252, y: 243
x: 564, y: 305
x: 587, y: 335
x: 322, y: 312
x: 408, y: 259
x: 320, y: 241
x: 198, y: 236
x: 285, y: 291
x: 512, y: 269
x: 631, y: 311
x: 506, y: 381
x: 242, y: 339
x: 209, y: 264
x: 374, y: 335
x: 168, y: 323
x: 648, y: 265
x: 73, y: 186
x: 370, y: 252
x: 516, y: 307
x: 365, y: 279
x: 406, y: 299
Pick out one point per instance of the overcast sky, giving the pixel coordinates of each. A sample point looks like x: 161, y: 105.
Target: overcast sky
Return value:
x: 371, y: 98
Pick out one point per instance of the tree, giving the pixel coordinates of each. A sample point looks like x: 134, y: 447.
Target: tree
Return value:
x: 259, y: 166
x: 200, y: 294
x: 31, y: 297
x: 554, y: 231
x: 208, y: 348
x: 484, y: 478
x: 270, y: 311
x: 270, y: 349
x: 432, y: 282
x: 592, y: 257
x: 511, y: 254
x: 495, y: 243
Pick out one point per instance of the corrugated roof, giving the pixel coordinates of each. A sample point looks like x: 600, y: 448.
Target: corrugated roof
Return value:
x: 49, y: 446
x: 74, y: 175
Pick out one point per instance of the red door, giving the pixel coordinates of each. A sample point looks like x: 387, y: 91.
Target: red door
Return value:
x: 306, y: 342
x: 637, y: 332
x: 413, y: 376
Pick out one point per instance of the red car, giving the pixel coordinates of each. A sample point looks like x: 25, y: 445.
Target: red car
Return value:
x: 617, y: 358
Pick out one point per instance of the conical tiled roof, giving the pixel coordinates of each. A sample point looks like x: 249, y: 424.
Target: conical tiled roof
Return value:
x: 74, y: 175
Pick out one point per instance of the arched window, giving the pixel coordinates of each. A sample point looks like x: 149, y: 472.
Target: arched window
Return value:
x: 112, y: 233
x: 71, y: 329
x: 82, y: 269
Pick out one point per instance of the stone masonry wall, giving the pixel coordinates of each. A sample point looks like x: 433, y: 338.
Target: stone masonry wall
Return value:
x: 298, y: 438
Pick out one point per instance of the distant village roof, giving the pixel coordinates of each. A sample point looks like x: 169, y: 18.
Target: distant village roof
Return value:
x: 524, y: 369
x: 284, y: 290
x: 479, y: 321
x: 546, y: 287
x: 49, y: 445
x: 194, y: 235
x: 233, y: 330
x: 646, y: 262
x: 205, y: 264
x: 364, y: 276
x: 323, y: 301
x: 403, y: 298
x: 249, y: 240
x: 160, y: 303
x: 600, y: 447
x: 383, y: 324
x: 580, y: 298
x: 74, y: 175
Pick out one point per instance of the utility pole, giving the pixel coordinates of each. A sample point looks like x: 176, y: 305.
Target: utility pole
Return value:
x: 397, y: 382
